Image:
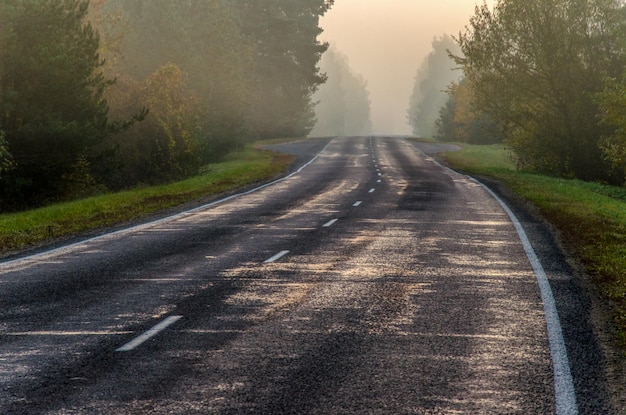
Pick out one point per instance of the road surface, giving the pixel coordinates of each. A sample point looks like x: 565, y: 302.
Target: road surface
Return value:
x: 372, y: 280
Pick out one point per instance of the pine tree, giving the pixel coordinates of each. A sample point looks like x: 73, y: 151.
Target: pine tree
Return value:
x: 284, y: 34
x: 51, y: 105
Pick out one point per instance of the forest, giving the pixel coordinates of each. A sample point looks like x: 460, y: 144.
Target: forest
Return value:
x: 545, y: 77
x: 104, y: 95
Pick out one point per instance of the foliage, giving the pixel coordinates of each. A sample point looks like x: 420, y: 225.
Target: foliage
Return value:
x: 459, y: 120
x: 249, y: 68
x: 252, y: 64
x: 431, y: 82
x: 445, y: 128
x: 203, y: 76
x: 52, y: 109
x: 535, y: 66
x: 612, y: 101
x: 175, y: 112
x: 6, y: 159
x: 202, y: 40
x: 283, y: 35
x: 112, y: 26
x: 343, y: 105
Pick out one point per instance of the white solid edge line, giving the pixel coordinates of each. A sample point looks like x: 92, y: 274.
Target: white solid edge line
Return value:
x: 165, y: 219
x: 563, y: 382
x: 330, y: 223
x: 137, y: 341
x: 564, y: 391
x: 276, y: 257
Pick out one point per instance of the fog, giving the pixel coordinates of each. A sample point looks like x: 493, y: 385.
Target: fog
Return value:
x: 194, y: 81
x: 343, y: 105
x: 385, y: 41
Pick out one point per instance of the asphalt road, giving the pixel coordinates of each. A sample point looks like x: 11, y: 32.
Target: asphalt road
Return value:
x: 372, y: 280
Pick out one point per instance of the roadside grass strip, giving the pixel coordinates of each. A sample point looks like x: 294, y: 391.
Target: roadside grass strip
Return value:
x: 173, y: 216
x: 64, y: 220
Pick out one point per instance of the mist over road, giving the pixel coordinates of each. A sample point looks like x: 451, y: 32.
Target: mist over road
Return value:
x: 373, y: 280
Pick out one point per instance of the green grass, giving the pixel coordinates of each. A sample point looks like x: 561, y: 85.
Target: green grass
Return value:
x: 241, y: 169
x: 591, y: 217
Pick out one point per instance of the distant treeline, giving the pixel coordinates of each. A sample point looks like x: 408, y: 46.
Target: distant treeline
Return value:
x: 546, y: 77
x: 109, y: 94
x: 343, y: 102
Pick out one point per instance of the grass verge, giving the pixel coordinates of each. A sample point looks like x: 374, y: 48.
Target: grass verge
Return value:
x: 590, y: 216
x: 22, y: 230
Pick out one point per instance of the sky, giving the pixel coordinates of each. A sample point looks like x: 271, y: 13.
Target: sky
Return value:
x: 386, y: 41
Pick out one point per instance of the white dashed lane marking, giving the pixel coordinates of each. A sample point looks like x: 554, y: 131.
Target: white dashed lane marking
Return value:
x: 330, y: 223
x: 276, y: 257
x: 137, y: 341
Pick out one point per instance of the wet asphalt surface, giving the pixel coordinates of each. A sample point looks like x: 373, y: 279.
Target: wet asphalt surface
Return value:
x: 371, y: 281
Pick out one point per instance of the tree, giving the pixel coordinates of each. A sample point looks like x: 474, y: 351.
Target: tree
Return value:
x: 215, y: 74
x: 248, y: 67
x: 445, y: 127
x: 460, y: 120
x: 433, y: 77
x: 284, y: 34
x: 612, y: 104
x: 174, y: 109
x: 109, y: 20
x: 199, y: 36
x: 6, y: 159
x: 253, y: 64
x: 535, y: 66
x: 343, y: 105
x: 52, y: 109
